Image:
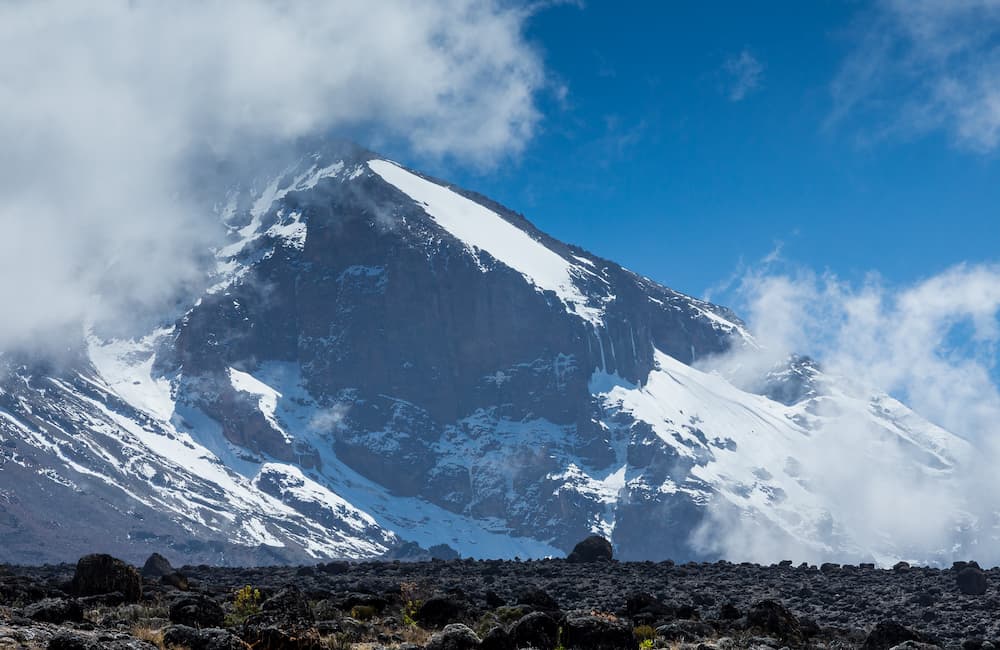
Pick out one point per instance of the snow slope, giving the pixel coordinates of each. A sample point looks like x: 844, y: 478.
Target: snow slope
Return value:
x: 481, y: 229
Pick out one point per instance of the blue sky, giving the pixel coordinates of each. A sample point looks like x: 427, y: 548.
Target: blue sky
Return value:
x: 683, y: 139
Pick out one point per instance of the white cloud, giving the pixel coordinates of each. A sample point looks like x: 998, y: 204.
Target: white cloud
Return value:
x: 104, y: 105
x: 934, y: 344
x: 744, y: 75
x: 924, y: 65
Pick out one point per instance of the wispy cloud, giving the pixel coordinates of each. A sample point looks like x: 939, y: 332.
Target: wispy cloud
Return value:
x: 744, y: 74
x: 924, y: 65
x: 104, y: 106
x: 934, y: 344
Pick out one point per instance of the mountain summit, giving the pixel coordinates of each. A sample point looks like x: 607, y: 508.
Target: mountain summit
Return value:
x: 384, y: 358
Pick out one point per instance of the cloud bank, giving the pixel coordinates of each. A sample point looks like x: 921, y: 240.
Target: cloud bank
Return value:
x: 934, y: 345
x: 925, y: 65
x: 104, y: 106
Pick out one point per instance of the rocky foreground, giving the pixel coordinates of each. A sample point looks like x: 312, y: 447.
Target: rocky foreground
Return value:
x: 585, y: 601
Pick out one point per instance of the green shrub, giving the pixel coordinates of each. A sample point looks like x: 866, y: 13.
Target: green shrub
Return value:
x: 246, y: 601
x: 644, y: 633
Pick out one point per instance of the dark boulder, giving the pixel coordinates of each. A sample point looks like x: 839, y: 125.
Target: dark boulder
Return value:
x: 536, y: 630
x: 197, y: 611
x: 774, y: 619
x: 103, y: 574
x: 350, y: 601
x: 176, y: 580
x: 156, y: 566
x: 646, y: 609
x: 889, y: 634
x: 971, y: 581
x: 584, y: 630
x: 439, y: 611
x: 55, y: 610
x: 537, y: 599
x: 498, y: 638
x: 454, y: 637
x: 730, y: 612
x: 593, y: 549
x: 182, y: 636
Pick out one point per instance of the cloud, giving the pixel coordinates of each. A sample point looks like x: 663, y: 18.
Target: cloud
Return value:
x: 106, y: 106
x: 924, y: 65
x: 744, y: 74
x: 934, y: 345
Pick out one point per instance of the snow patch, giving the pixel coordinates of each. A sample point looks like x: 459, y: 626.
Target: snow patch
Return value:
x: 481, y: 229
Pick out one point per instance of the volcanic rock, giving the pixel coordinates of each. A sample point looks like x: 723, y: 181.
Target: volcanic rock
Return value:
x: 536, y: 630
x: 55, y: 610
x: 773, y: 618
x: 593, y: 549
x: 593, y: 632
x: 971, y: 581
x: 182, y: 636
x: 197, y: 611
x: 156, y: 566
x: 455, y: 636
x: 103, y: 574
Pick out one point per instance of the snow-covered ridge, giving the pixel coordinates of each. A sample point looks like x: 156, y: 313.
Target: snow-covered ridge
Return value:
x: 481, y: 229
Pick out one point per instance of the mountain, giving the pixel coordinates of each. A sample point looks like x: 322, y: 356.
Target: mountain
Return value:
x: 382, y: 358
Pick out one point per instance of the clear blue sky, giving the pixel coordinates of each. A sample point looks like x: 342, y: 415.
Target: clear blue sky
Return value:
x: 656, y: 159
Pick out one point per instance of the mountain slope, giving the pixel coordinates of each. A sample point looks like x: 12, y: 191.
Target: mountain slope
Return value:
x: 381, y: 357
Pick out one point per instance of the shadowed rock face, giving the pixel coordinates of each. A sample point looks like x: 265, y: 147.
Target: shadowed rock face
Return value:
x: 362, y: 372
x: 395, y: 323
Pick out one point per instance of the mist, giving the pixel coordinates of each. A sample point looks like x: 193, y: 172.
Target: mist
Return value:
x: 932, y: 344
x: 108, y: 110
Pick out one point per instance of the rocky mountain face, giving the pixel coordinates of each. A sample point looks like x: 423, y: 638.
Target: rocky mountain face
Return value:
x: 382, y: 358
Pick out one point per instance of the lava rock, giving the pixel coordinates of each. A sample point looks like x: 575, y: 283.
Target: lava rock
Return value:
x: 197, y: 611
x: 971, y: 581
x: 773, y: 618
x: 156, y: 566
x: 182, y: 636
x: 585, y: 630
x: 684, y: 631
x: 454, y: 637
x: 439, y: 611
x: 104, y: 641
x: 889, y: 634
x: 646, y: 609
x: 730, y: 612
x: 176, y: 580
x: 498, y: 638
x: 289, y: 604
x: 593, y: 549
x: 536, y: 630
x: 537, y: 599
x: 285, y: 622
x: 335, y: 568
x: 103, y: 574
x: 55, y: 610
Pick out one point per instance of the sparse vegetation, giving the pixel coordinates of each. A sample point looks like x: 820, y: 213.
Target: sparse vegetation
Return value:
x: 246, y: 602
x: 412, y: 600
x: 644, y: 633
